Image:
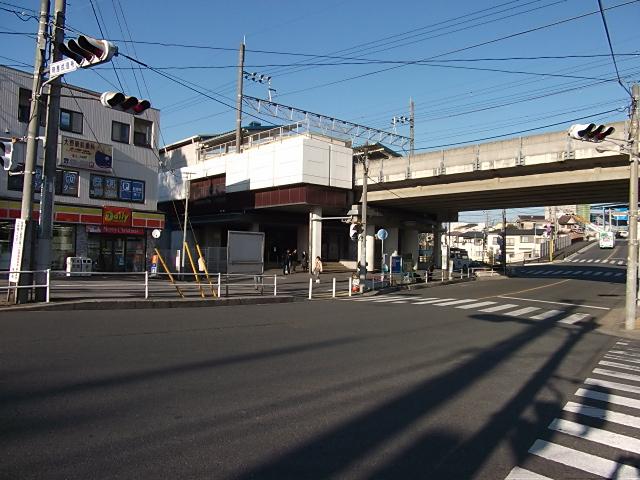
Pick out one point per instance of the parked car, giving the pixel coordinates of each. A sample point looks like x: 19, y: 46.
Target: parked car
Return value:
x: 623, y: 234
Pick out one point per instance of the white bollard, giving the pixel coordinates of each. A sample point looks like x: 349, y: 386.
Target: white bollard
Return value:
x: 350, y: 285
x: 219, y: 277
x: 310, y: 287
x: 333, y: 295
x: 48, y: 285
x: 146, y: 285
x: 275, y: 285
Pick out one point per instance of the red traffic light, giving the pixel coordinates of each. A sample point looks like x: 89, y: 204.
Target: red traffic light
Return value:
x: 119, y: 101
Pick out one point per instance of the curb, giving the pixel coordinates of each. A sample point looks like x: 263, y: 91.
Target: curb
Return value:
x: 108, y: 304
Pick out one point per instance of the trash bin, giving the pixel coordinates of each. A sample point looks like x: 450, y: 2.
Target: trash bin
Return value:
x: 87, y: 266
x: 74, y: 266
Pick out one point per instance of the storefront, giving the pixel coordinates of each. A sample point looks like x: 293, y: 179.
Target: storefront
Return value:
x: 117, y: 239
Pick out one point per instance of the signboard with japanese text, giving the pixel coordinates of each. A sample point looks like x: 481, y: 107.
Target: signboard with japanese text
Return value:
x: 111, y: 188
x: 116, y: 216
x: 125, y: 189
x: 137, y: 191
x: 86, y: 154
x: 18, y: 248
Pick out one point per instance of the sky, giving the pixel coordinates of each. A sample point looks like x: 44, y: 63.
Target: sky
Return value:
x: 475, y: 70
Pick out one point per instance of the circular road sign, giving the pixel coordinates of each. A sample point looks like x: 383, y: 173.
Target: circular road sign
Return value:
x: 382, y: 234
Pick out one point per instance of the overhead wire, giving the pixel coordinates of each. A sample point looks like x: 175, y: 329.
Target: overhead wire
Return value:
x: 613, y: 57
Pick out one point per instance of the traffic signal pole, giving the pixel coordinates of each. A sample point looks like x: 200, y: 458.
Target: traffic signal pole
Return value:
x: 239, y: 99
x: 47, y: 195
x: 23, y: 243
x: 632, y: 254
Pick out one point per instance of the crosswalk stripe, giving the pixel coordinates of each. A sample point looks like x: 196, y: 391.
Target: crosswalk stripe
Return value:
x: 574, y: 318
x: 622, y: 343
x: 625, y: 353
x: 385, y: 300
x: 597, y: 261
x: 621, y: 358
x: 583, y: 260
x: 620, y: 262
x: 522, y: 311
x: 588, y: 272
x: 619, y: 365
x: 476, y: 305
x: 609, y: 398
x: 455, y: 302
x: 596, y: 435
x: 619, y: 274
x: 613, y: 385
x: 597, y: 274
x: 379, y: 299
x: 612, y: 262
x: 613, y: 373
x: 518, y: 473
x: 424, y: 302
x: 581, y: 460
x: 398, y: 301
x: 601, y: 414
x: 499, y: 308
x: 547, y: 314
x: 535, y: 272
x: 590, y: 260
x: 608, y: 274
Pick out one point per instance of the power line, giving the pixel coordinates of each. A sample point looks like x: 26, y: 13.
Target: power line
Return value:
x: 613, y: 57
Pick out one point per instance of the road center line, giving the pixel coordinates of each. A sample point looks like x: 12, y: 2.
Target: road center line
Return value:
x: 554, y: 303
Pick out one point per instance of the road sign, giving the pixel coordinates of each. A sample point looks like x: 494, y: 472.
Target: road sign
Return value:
x: 382, y: 234
x: 16, y: 253
x: 61, y: 67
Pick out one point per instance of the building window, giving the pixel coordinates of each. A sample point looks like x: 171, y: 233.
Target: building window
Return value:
x: 70, y: 121
x: 120, y: 132
x: 113, y: 188
x: 142, y: 132
x: 24, y: 107
x: 525, y: 239
x: 511, y: 241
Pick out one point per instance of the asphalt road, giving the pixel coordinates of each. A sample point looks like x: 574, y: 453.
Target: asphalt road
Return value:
x: 441, y: 383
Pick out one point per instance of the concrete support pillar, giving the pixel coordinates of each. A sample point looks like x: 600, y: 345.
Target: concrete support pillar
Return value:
x: 391, y: 243
x: 437, y: 246
x: 315, y: 233
x: 410, y: 244
x: 371, y: 245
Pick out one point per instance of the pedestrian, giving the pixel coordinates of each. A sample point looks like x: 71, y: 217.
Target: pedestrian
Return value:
x: 286, y: 262
x: 294, y: 260
x: 317, y: 269
x: 305, y: 262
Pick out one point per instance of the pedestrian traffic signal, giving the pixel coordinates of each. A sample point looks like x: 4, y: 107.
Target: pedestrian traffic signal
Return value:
x: 88, y: 52
x: 120, y: 101
x: 355, y: 230
x: 6, y: 152
x: 590, y: 132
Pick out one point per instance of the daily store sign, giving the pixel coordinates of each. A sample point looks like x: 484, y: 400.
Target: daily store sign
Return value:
x: 116, y: 216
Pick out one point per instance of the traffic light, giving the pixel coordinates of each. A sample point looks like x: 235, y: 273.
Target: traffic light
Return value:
x: 6, y: 151
x: 590, y: 132
x: 120, y: 101
x: 354, y: 230
x: 88, y: 52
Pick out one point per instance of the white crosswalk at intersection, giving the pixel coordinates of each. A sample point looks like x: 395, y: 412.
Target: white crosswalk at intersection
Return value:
x: 598, y: 430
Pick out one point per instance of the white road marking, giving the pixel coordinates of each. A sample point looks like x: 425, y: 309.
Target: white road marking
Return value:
x: 621, y: 263
x: 553, y: 303
x: 621, y: 358
x: 609, y: 398
x: 547, y: 314
x: 385, y: 300
x: 518, y: 473
x: 597, y: 274
x: 582, y: 461
x: 498, y: 308
x: 608, y: 274
x: 625, y: 353
x: 522, y: 311
x: 612, y: 385
x: 612, y: 262
x: 619, y: 365
x: 597, y: 261
x: 602, y: 414
x: 583, y: 260
x: 590, y: 260
x: 596, y: 435
x: 455, y: 302
x: 619, y: 274
x: 574, y: 318
x: 424, y: 302
x: 622, y: 343
x: 588, y: 272
x: 476, y: 305
x: 613, y: 373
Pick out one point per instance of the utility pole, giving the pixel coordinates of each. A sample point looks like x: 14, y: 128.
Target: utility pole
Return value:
x: 186, y: 220
x: 47, y: 193
x: 23, y: 237
x: 504, y: 240
x: 362, y: 274
x: 412, y: 122
x: 632, y: 255
x: 239, y: 99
